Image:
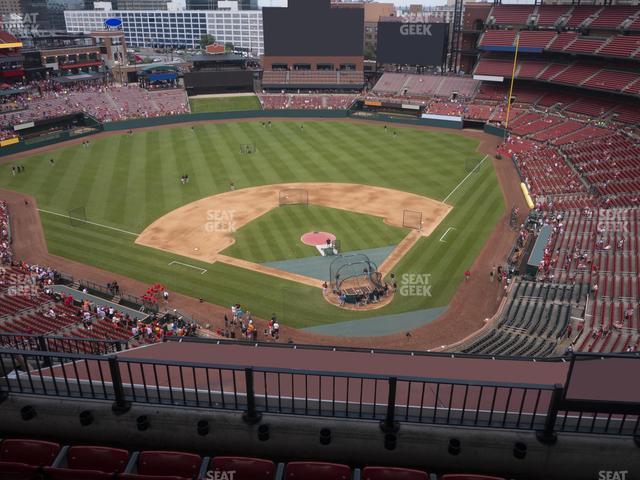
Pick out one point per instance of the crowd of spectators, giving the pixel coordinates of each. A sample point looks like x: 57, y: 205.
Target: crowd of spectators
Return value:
x: 5, y: 235
x: 83, y: 317
x: 104, y: 100
x: 306, y: 101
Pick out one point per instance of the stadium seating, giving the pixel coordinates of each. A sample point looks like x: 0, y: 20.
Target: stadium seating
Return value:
x: 161, y: 463
x: 562, y: 40
x: 531, y: 69
x: 498, y: 38
x: 464, y: 476
x: 253, y: 468
x: 511, y: 14
x: 612, y: 16
x: 535, y: 38
x: 21, y: 458
x: 621, y: 46
x: 549, y: 15
x: 389, y: 473
x: 500, y: 68
x: 580, y: 13
x: 585, y: 45
x: 316, y: 471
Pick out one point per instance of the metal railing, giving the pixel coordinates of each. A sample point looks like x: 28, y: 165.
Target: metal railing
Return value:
x: 388, y: 399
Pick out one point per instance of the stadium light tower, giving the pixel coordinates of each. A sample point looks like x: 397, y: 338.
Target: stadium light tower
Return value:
x: 454, y: 46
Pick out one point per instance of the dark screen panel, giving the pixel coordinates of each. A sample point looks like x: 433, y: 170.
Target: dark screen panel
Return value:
x: 412, y: 43
x: 313, y: 28
x: 223, y: 78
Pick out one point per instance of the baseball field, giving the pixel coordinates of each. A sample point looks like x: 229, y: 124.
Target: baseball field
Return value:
x: 121, y: 184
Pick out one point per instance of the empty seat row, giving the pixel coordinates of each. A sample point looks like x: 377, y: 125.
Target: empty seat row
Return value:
x: 22, y: 459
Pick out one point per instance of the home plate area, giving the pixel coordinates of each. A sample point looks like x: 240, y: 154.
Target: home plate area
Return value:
x: 325, y: 242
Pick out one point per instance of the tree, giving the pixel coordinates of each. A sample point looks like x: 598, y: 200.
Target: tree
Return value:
x: 369, y: 52
x: 228, y: 47
x: 207, y: 40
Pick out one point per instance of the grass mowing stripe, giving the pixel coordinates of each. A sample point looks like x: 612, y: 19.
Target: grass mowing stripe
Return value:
x: 428, y: 163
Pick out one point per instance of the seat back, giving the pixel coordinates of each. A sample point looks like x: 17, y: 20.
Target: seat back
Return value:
x: 179, y: 464
x: 18, y: 471
x: 470, y: 476
x: 391, y: 473
x: 317, y: 471
x: 135, y: 476
x: 245, y: 467
x: 75, y: 474
x: 104, y: 459
x: 31, y: 452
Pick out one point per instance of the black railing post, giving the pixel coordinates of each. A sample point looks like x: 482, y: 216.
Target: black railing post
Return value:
x: 251, y: 416
x: 121, y: 405
x: 43, y: 347
x: 3, y: 374
x: 389, y: 424
x: 548, y: 436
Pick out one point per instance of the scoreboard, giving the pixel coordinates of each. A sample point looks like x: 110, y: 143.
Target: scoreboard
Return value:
x: 410, y: 43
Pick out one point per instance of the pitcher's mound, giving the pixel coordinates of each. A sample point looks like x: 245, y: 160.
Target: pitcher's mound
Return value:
x: 317, y: 238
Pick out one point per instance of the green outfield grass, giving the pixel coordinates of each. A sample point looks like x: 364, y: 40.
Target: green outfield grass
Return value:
x: 276, y: 235
x: 127, y: 182
x: 224, y: 104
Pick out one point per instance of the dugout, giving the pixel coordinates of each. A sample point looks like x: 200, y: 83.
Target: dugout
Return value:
x: 392, y: 108
x: 71, y: 125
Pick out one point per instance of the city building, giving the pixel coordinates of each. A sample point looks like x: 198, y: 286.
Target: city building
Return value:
x: 11, y: 58
x: 157, y: 28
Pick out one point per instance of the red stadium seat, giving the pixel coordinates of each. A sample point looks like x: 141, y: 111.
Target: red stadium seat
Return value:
x: 103, y: 459
x: 390, y: 473
x: 30, y: 452
x: 317, y: 471
x: 135, y: 476
x: 245, y: 467
x: 52, y: 473
x: 18, y: 471
x: 178, y: 464
x: 464, y: 476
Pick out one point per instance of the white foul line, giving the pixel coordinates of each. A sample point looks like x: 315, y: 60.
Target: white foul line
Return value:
x: 88, y: 222
x: 445, y: 234
x: 202, y: 270
x: 464, y: 179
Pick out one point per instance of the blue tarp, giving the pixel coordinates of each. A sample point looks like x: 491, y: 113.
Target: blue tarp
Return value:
x: 157, y: 77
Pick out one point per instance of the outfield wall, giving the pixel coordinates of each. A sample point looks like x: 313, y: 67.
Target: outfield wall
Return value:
x: 64, y: 136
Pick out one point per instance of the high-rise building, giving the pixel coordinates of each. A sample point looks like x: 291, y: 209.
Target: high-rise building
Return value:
x: 147, y: 28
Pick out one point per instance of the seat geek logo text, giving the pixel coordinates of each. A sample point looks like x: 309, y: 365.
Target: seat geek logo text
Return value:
x: 416, y: 29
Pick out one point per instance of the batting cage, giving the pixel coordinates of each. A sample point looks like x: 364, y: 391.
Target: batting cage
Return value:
x: 248, y: 148
x: 354, y: 272
x: 293, y: 196
x: 77, y: 216
x: 412, y: 219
